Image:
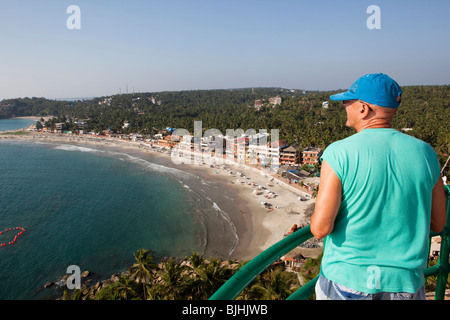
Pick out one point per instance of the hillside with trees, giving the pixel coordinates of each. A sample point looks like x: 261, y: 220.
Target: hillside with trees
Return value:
x: 301, y: 118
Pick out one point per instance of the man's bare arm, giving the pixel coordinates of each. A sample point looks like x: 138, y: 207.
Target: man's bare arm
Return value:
x: 328, y: 202
x: 438, y: 210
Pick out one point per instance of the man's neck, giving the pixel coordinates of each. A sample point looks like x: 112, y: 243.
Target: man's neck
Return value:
x: 379, y: 125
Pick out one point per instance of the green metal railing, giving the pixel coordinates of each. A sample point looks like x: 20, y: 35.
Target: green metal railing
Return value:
x: 241, y: 279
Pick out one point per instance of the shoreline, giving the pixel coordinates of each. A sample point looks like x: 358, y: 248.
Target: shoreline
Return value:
x: 258, y: 226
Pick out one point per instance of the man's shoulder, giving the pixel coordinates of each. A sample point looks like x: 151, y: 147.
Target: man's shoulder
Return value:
x: 411, y: 140
x: 392, y: 140
x: 343, y: 142
x: 364, y: 134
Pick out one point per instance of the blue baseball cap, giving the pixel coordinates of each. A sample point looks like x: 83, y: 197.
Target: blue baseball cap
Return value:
x: 378, y: 89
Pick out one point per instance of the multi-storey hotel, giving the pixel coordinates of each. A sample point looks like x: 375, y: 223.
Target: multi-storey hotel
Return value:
x: 311, y: 155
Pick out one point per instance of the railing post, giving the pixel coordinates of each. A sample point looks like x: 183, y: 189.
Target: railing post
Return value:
x: 444, y: 254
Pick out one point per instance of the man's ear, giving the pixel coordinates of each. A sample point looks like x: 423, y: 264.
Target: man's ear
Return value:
x: 365, y: 110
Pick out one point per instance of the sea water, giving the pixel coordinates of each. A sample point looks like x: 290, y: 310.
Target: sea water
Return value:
x: 15, y: 123
x: 94, y: 208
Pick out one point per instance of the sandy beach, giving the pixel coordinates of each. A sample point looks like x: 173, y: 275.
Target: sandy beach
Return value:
x: 264, y: 207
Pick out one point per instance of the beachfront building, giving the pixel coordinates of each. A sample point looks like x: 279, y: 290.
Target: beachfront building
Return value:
x: 192, y: 149
x: 274, y: 151
x: 258, y: 149
x: 229, y: 150
x: 186, y: 143
x: 107, y: 133
x: 237, y: 148
x: 213, y: 145
x: 311, y: 155
x: 167, y: 142
x: 290, y: 156
x: 59, y: 127
x: 81, y: 126
x: 157, y: 136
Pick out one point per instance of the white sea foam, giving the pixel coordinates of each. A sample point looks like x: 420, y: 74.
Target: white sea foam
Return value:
x: 126, y: 157
x: 68, y: 147
x: 215, y: 206
x: 233, y: 227
x: 153, y: 166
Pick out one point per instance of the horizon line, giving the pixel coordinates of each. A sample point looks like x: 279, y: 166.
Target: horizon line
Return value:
x: 88, y: 98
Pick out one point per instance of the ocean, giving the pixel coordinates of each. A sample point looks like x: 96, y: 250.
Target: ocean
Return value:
x: 93, y: 207
x: 15, y: 123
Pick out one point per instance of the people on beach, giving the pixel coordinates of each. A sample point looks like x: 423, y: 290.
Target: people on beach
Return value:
x: 380, y: 194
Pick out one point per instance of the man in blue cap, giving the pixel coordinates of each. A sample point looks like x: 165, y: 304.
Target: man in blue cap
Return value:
x: 380, y: 194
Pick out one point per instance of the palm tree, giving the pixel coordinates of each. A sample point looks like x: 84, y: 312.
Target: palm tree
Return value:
x: 209, y: 277
x: 274, y: 284
x: 196, y: 260
x: 124, y: 289
x: 76, y: 295
x: 156, y: 292
x: 141, y: 271
x: 175, y: 279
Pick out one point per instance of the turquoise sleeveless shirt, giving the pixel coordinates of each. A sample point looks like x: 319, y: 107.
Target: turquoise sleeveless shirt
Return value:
x: 380, y: 238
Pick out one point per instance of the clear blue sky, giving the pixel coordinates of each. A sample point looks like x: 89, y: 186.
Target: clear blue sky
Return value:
x: 216, y: 44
